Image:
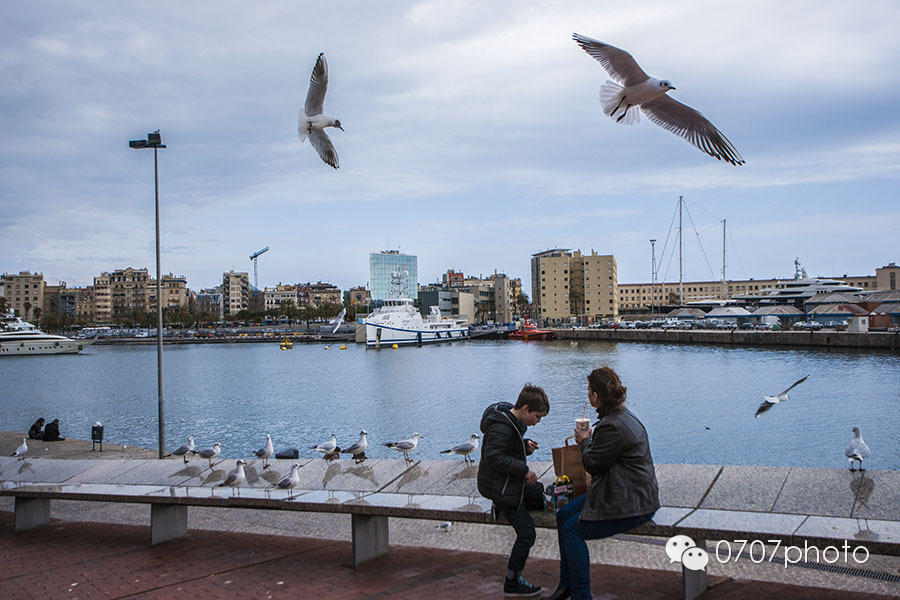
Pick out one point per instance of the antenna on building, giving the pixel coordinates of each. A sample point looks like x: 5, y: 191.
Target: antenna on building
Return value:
x: 253, y: 257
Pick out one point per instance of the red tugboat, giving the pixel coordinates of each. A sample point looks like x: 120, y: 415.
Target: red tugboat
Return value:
x: 530, y: 331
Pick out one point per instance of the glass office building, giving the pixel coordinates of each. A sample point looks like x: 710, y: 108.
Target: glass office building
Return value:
x: 382, y: 264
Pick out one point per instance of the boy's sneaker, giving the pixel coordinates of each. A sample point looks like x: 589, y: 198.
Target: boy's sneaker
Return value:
x: 520, y: 588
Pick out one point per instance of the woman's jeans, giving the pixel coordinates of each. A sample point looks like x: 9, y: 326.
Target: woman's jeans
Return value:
x: 574, y: 560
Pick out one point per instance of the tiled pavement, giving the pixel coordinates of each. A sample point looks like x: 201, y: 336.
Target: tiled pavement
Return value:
x: 88, y: 560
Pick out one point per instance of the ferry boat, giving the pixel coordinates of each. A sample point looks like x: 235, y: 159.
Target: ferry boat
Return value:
x: 21, y: 338
x: 398, y: 322
x: 530, y: 331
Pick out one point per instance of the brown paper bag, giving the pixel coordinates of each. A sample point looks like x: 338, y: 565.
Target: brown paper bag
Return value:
x: 567, y: 461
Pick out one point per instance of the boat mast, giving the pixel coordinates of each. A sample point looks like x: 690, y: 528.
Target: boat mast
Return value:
x: 680, y: 258
x: 724, y: 285
x: 652, y: 273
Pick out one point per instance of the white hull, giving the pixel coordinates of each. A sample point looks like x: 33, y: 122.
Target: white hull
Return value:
x: 380, y: 335
x: 36, y: 347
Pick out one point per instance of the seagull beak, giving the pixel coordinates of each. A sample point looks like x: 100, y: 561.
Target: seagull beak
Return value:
x: 672, y: 87
x: 340, y: 127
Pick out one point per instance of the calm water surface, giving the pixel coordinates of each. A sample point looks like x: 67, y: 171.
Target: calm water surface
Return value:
x: 236, y: 393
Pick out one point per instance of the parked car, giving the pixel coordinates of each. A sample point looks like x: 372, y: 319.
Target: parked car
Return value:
x: 808, y: 325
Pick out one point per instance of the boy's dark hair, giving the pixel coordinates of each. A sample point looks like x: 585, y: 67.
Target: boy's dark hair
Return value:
x: 534, y: 397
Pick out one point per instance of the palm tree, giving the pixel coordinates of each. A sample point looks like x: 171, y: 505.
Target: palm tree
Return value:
x: 3, y: 306
x: 27, y: 306
x: 37, y: 314
x: 522, y: 303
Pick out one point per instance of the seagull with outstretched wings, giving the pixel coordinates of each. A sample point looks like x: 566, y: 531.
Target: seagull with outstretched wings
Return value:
x: 770, y: 401
x: 634, y: 91
x: 312, y: 121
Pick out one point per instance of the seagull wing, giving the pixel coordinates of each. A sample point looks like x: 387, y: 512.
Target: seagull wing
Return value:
x: 620, y: 65
x: 407, y: 445
x: 684, y: 121
x: 793, y: 385
x: 183, y: 450
x: 463, y: 448
x: 352, y: 449
x: 318, y: 84
x: 232, y: 477
x: 322, y: 143
x: 766, y: 405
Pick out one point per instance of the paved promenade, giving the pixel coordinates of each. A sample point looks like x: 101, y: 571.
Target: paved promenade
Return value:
x: 81, y: 560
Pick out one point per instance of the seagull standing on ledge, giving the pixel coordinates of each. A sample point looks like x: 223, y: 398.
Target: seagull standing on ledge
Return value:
x: 210, y: 453
x: 312, y: 121
x: 236, y: 477
x: 464, y: 449
x: 770, y: 401
x: 184, y: 450
x: 21, y: 450
x: 857, y: 450
x: 291, y: 481
x: 634, y: 90
x: 266, y: 452
x: 326, y: 447
x: 406, y: 446
x: 358, y: 450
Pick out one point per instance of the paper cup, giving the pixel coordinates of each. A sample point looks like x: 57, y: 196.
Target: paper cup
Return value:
x: 582, y: 424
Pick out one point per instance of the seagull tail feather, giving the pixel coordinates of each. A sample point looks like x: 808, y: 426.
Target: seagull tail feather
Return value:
x: 612, y: 100
x: 302, y: 130
x: 446, y: 451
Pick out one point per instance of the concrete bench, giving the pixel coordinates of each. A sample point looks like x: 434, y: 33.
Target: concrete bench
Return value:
x: 706, y: 502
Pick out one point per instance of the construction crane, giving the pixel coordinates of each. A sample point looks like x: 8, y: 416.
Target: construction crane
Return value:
x: 253, y: 257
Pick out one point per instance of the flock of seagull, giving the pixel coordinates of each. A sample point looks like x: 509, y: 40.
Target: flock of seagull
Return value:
x: 632, y: 92
x: 329, y: 450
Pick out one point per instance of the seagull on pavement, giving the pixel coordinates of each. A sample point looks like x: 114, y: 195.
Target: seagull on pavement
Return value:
x: 326, y: 447
x: 358, y: 450
x: 464, y: 449
x: 236, y: 477
x: 634, y: 90
x: 266, y: 452
x: 209, y: 453
x: 770, y: 401
x: 333, y: 455
x: 21, y: 450
x: 857, y: 450
x: 312, y: 121
x: 184, y: 450
x: 445, y: 526
x: 291, y: 481
x: 406, y: 446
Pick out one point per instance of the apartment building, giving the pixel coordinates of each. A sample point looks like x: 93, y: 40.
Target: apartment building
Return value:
x: 281, y: 294
x: 23, y: 292
x: 235, y: 292
x: 358, y: 296
x: 129, y: 293
x: 102, y: 299
x: 318, y: 294
x: 174, y: 291
x: 567, y: 284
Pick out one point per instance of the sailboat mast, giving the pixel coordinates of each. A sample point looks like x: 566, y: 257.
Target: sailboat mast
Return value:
x: 724, y: 285
x: 680, y: 255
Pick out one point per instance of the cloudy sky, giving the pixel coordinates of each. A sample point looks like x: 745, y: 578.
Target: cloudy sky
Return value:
x: 473, y: 137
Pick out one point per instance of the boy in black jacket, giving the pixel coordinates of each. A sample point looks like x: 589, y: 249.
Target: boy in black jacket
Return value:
x: 504, y: 476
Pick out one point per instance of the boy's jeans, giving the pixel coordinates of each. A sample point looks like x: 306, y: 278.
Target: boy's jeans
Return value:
x: 574, y: 560
x: 522, y: 523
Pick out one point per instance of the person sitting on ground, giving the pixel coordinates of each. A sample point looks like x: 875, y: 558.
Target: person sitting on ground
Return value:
x: 624, y: 492
x: 504, y: 476
x: 51, y: 432
x: 36, y: 432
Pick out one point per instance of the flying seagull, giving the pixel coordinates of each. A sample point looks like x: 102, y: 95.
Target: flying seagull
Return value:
x: 770, y: 401
x: 358, y: 450
x: 291, y: 481
x: 236, y: 477
x: 266, y: 452
x: 209, y: 453
x: 21, y: 450
x: 338, y: 320
x: 312, y: 121
x: 326, y: 447
x: 857, y: 450
x: 406, y: 446
x: 184, y: 450
x: 464, y: 449
x: 634, y: 89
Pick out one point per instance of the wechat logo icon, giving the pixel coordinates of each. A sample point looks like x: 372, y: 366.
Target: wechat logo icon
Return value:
x: 681, y: 548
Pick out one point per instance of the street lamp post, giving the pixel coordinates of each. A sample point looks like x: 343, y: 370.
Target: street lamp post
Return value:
x: 154, y: 141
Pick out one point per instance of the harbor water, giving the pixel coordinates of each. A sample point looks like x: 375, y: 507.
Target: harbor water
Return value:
x: 697, y: 402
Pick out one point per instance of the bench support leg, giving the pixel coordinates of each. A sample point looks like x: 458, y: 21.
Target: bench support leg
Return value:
x: 370, y: 537
x: 31, y: 512
x: 167, y: 522
x: 693, y: 583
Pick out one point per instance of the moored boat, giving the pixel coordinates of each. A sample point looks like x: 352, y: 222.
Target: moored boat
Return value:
x: 21, y: 338
x: 529, y: 331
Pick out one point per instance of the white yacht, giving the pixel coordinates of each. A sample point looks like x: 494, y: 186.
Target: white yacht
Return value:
x: 796, y: 291
x: 398, y: 322
x: 21, y: 338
